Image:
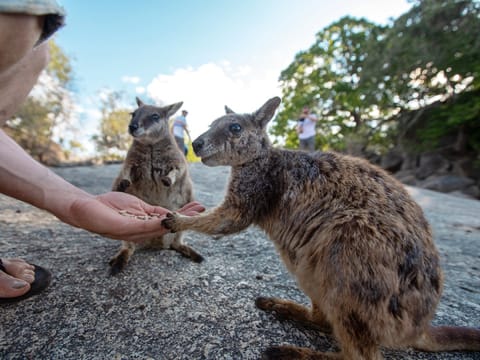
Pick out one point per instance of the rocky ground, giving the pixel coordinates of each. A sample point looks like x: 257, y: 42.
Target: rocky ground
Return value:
x: 166, y: 307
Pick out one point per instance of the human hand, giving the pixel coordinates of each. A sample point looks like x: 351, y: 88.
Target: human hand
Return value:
x: 123, y: 216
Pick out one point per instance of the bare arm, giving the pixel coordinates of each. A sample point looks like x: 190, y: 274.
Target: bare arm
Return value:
x: 25, y: 179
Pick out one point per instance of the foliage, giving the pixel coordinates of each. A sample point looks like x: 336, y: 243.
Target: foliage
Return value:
x: 453, y: 123
x: 373, y: 84
x: 31, y: 127
x: 60, y: 66
x: 430, y: 56
x: 44, y: 120
x: 114, y: 139
x: 327, y: 77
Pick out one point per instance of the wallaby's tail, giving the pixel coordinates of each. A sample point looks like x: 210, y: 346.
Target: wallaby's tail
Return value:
x: 449, y: 338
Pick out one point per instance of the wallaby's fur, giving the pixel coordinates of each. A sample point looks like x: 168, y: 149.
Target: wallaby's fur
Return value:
x: 155, y: 171
x: 357, y: 243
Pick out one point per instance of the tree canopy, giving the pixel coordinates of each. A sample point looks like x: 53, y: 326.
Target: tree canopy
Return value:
x: 327, y: 77
x: 113, y: 140
x: 370, y: 84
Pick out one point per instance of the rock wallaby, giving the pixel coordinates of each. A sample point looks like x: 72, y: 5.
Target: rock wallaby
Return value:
x: 357, y: 243
x: 155, y: 171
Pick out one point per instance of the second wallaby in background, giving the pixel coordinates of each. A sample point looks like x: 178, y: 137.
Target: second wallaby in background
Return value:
x: 357, y: 243
x: 157, y: 172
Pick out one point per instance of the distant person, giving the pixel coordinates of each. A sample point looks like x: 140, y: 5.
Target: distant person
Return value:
x: 24, y: 27
x: 179, y: 129
x: 306, y: 129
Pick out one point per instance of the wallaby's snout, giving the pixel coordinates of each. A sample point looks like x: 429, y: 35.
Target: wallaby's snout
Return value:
x: 197, y: 145
x: 132, y: 127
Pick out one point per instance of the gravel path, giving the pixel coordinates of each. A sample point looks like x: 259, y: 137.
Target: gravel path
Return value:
x: 166, y: 307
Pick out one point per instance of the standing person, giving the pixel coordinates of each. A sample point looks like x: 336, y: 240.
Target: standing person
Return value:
x: 24, y: 27
x: 179, y: 129
x: 306, y: 129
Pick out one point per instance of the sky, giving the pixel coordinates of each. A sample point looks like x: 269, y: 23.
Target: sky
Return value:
x: 208, y: 53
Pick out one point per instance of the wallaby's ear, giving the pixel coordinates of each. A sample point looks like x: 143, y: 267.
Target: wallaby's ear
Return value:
x: 228, y: 110
x: 139, y: 102
x: 172, y: 109
x: 265, y: 113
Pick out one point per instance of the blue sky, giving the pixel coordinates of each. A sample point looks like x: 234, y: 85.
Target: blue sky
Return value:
x: 206, y: 53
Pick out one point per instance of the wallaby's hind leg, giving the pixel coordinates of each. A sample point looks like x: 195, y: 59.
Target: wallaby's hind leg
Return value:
x: 185, y: 250
x: 120, y: 260
x: 356, y: 343
x: 289, y: 310
x: 352, y: 348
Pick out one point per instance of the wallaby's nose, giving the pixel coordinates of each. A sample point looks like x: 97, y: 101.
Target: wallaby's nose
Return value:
x: 132, y: 127
x: 197, y: 145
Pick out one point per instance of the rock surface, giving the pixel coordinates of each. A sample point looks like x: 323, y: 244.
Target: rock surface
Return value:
x: 442, y: 171
x: 166, y: 307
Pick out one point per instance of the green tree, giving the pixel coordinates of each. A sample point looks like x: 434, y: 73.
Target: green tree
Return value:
x: 426, y: 70
x: 45, y: 119
x: 414, y: 82
x: 327, y: 77
x: 114, y: 139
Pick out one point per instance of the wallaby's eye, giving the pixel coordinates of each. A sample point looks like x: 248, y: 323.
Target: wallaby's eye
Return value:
x: 155, y: 117
x: 235, y: 128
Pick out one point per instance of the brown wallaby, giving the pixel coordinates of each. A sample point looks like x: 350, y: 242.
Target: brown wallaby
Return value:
x: 155, y: 171
x: 357, y: 243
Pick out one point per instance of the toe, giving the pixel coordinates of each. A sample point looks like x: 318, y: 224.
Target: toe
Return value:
x: 28, y: 275
x: 11, y: 286
x: 20, y: 269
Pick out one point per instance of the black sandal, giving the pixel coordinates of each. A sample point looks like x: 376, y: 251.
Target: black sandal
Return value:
x: 43, y: 277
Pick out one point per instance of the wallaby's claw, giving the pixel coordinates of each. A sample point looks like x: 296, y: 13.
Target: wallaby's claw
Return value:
x: 166, y: 181
x: 169, y: 222
x: 123, y: 185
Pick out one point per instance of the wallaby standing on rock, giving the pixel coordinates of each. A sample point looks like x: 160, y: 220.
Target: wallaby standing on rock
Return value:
x: 155, y: 171
x: 357, y: 243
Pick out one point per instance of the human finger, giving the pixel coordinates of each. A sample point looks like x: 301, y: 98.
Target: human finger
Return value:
x: 193, y: 206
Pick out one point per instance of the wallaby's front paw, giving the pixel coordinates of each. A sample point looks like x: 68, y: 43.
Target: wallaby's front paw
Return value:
x: 170, y: 222
x: 123, y: 185
x: 166, y: 181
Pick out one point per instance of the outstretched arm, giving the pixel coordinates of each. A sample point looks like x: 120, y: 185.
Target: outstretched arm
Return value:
x: 25, y: 179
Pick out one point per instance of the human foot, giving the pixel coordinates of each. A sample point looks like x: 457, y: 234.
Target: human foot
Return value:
x: 15, y: 277
x: 19, y: 279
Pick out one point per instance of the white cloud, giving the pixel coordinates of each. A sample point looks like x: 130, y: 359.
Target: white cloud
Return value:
x: 206, y: 89
x: 130, y: 79
x: 140, y: 90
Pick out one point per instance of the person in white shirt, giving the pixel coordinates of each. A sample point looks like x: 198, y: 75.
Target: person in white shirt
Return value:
x: 306, y: 129
x: 179, y: 129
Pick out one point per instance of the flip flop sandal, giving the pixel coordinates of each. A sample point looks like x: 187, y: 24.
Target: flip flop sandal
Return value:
x: 43, y: 278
